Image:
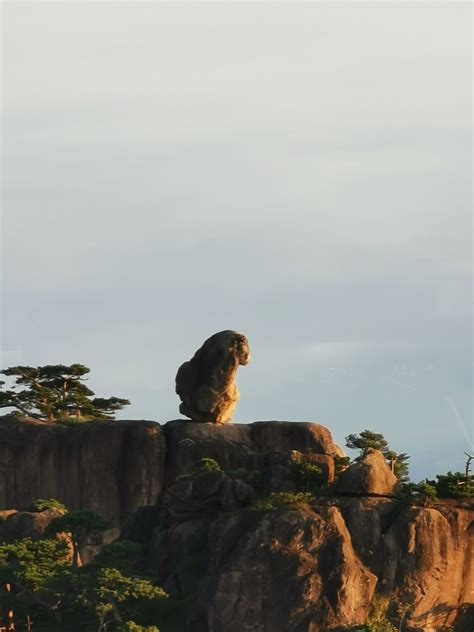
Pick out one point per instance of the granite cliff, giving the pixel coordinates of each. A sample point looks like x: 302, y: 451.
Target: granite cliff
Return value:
x: 300, y: 567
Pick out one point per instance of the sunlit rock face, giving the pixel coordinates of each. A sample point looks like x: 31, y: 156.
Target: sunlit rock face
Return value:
x: 369, y: 476
x: 308, y: 567
x: 206, y: 383
x: 429, y: 564
x: 295, y: 571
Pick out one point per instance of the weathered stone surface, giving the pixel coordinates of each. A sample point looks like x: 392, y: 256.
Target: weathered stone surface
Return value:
x: 95, y: 542
x: 367, y: 519
x: 281, y: 436
x: 236, y: 446
x: 429, y: 564
x: 15, y: 525
x: 204, y: 496
x: 371, y: 476
x: 279, y: 475
x: 110, y: 467
x: 295, y: 571
x: 206, y: 383
x: 306, y: 570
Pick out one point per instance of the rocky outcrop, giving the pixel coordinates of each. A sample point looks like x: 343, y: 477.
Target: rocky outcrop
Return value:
x: 295, y: 569
x: 429, y: 564
x: 315, y: 567
x: 110, y: 467
x: 15, y: 525
x: 369, y: 476
x: 249, y: 446
x: 304, y: 568
x: 206, y: 383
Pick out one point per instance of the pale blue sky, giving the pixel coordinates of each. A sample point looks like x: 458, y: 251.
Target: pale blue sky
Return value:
x: 298, y: 172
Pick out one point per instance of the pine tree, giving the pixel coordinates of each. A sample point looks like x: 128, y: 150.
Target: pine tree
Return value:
x: 368, y: 440
x: 55, y: 393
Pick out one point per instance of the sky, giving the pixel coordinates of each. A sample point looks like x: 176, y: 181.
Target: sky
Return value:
x: 298, y: 172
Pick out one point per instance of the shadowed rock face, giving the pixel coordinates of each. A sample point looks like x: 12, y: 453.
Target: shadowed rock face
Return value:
x: 206, y: 383
x: 110, y: 467
x: 247, y: 446
x: 15, y: 525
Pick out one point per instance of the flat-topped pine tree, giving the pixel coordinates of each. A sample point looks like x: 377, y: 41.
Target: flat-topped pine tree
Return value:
x: 56, y: 393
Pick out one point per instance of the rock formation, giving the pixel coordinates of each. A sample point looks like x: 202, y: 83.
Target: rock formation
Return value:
x: 368, y: 476
x: 15, y: 525
x: 110, y: 467
x: 296, y: 567
x: 206, y: 383
x: 249, y: 446
x: 229, y: 564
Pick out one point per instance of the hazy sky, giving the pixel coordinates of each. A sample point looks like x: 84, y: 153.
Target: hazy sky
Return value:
x: 298, y: 172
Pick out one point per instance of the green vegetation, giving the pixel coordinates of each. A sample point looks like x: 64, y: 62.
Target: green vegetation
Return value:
x: 191, y: 571
x: 423, y: 489
x: 131, y: 626
x: 208, y: 465
x: 309, y: 476
x: 79, y: 525
x: 451, y: 485
x: 203, y: 466
x: 455, y: 485
x: 39, y: 581
x: 368, y: 440
x: 341, y: 463
x: 42, y: 504
x: 377, y: 620
x: 56, y: 394
x: 282, y: 500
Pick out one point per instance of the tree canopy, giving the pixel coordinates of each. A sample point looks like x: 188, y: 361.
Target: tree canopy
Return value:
x: 40, y: 582
x: 56, y: 393
x: 79, y: 524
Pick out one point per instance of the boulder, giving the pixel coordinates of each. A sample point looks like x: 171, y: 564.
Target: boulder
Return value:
x: 15, y: 525
x: 206, y: 383
x: 369, y: 476
x: 110, y: 467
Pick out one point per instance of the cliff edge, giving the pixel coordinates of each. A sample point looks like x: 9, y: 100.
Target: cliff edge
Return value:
x: 238, y: 538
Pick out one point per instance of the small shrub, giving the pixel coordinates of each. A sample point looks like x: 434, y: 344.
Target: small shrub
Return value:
x: 282, y: 500
x: 203, y: 466
x: 423, y: 489
x: 341, y: 463
x: 208, y: 465
x: 309, y: 476
x: 131, y: 626
x: 377, y: 620
x: 42, y: 504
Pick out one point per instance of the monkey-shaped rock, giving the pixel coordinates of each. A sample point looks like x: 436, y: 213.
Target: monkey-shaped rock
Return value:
x: 206, y: 383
